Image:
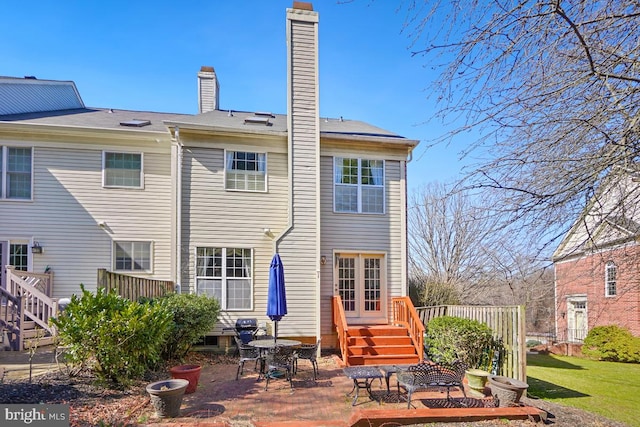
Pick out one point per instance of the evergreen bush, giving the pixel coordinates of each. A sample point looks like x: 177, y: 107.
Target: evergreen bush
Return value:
x: 452, y: 338
x: 193, y: 316
x: 612, y: 343
x: 117, y: 338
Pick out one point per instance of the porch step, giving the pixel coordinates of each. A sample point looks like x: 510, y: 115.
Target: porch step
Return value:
x: 379, y: 345
x: 380, y: 350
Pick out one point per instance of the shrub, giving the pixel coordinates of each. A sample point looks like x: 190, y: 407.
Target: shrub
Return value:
x: 451, y: 338
x: 533, y: 343
x: 193, y: 316
x: 612, y: 343
x: 120, y: 338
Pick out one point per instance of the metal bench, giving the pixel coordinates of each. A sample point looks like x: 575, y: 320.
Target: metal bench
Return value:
x: 427, y: 375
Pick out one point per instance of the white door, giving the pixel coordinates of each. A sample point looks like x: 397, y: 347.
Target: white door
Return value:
x: 360, y: 282
x: 577, y: 321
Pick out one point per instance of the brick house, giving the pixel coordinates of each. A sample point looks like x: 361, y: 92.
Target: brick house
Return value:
x: 597, y: 264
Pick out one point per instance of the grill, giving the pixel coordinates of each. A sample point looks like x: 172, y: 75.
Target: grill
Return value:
x: 246, y: 329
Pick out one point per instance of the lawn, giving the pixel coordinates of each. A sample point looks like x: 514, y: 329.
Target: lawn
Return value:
x: 606, y: 388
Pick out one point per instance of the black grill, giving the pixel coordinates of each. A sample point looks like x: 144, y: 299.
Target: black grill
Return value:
x: 246, y: 329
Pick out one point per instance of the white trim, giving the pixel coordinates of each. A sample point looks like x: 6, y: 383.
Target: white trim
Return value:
x: 4, y: 156
x: 607, y: 265
x: 151, y: 256
x: 128, y: 187
x: 223, y: 277
x: 359, y: 186
x: 247, y: 173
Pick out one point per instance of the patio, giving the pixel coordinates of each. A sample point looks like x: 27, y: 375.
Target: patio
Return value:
x: 222, y: 401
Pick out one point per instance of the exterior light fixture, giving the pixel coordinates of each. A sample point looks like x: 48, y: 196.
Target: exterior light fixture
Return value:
x: 36, y: 248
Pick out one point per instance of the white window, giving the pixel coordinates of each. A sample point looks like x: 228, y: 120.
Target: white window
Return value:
x: 225, y: 273
x: 610, y: 279
x: 122, y: 170
x: 132, y: 256
x: 245, y: 171
x: 19, y: 256
x: 358, y: 185
x: 16, y: 172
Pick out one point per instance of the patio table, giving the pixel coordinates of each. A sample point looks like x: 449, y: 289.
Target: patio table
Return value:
x: 362, y: 377
x: 269, y: 343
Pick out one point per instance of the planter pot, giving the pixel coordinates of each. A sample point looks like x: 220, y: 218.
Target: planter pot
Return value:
x: 477, y: 379
x: 166, y: 396
x: 506, y: 391
x: 190, y: 373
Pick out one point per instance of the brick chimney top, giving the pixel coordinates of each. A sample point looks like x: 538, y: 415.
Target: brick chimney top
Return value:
x: 207, y: 69
x: 302, y: 5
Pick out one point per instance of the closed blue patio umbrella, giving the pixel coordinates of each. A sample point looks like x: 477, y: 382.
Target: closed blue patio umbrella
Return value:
x: 277, y: 298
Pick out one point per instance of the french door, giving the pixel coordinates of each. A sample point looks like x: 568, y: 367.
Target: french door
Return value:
x: 360, y: 281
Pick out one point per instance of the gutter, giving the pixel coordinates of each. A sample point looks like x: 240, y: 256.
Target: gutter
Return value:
x: 178, y: 230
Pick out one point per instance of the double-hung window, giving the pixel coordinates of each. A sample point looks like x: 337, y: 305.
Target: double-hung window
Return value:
x: 132, y: 256
x: 226, y: 274
x: 16, y: 172
x: 245, y: 171
x: 358, y: 185
x: 610, y: 279
x: 122, y: 170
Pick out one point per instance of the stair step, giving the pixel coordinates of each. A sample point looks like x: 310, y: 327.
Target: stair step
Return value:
x: 385, y: 359
x: 34, y: 333
x: 356, y: 350
x: 48, y: 340
x: 378, y: 340
x: 384, y: 330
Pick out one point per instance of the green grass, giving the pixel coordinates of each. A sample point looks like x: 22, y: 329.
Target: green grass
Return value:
x: 606, y: 388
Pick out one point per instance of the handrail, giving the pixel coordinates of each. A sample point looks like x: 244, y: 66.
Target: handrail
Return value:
x: 340, y: 322
x: 36, y: 305
x: 405, y: 314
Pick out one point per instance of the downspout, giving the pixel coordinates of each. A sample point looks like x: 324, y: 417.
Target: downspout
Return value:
x: 289, y: 226
x: 406, y: 224
x: 178, y: 211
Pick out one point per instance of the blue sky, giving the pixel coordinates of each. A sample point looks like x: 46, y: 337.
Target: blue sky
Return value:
x: 144, y: 55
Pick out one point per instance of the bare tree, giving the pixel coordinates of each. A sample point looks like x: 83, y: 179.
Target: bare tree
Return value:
x: 448, y: 245
x: 460, y: 254
x: 551, y: 87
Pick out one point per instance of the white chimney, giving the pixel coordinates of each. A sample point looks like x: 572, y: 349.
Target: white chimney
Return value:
x: 208, y: 90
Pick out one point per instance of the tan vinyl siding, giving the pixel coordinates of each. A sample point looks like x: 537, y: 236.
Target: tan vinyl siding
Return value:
x: 214, y: 217
x: 362, y: 232
x: 69, y: 202
x: 298, y: 249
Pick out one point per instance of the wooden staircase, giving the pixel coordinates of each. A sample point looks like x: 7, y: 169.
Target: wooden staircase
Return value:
x: 380, y: 345
x: 400, y: 342
x: 25, y: 310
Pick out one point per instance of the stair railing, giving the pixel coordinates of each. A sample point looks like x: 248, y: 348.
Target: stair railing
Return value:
x: 340, y: 322
x: 35, y: 304
x: 405, y: 314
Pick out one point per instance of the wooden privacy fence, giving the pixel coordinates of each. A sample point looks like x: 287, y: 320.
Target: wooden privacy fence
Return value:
x: 507, y: 323
x: 133, y: 288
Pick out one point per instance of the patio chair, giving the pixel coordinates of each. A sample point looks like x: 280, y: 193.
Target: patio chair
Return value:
x: 307, y: 352
x: 278, y: 359
x: 247, y: 354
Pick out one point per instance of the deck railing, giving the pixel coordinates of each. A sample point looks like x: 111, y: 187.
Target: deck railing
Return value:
x: 23, y: 298
x: 340, y: 322
x: 405, y: 314
x: 132, y: 287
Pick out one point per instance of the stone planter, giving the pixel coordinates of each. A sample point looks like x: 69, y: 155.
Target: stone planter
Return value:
x: 166, y: 396
x: 190, y: 373
x: 506, y: 391
x: 477, y: 380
